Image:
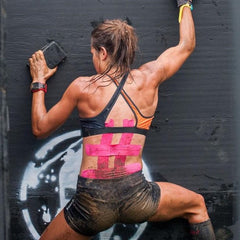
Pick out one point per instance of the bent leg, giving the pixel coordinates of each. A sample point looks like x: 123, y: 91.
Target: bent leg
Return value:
x: 177, y: 201
x: 58, y: 229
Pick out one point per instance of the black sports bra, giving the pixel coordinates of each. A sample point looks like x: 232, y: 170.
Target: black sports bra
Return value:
x: 96, y: 125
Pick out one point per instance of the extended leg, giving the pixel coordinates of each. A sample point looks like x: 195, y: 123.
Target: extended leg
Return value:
x: 58, y: 229
x: 177, y: 201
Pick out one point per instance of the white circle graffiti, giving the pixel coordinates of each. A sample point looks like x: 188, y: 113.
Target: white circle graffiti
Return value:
x: 41, y: 170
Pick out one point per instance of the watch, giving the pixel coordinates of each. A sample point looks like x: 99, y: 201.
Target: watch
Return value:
x: 37, y: 86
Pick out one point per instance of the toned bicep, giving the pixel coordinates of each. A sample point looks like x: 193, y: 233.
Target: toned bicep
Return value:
x: 57, y: 115
x: 171, y: 61
x: 166, y: 65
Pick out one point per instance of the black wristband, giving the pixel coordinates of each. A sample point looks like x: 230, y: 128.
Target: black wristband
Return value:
x: 182, y: 2
x: 38, y: 86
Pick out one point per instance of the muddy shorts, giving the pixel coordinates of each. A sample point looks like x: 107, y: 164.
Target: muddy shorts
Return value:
x: 98, y: 203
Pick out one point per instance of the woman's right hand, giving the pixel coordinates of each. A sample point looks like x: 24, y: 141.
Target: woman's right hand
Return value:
x: 39, y: 70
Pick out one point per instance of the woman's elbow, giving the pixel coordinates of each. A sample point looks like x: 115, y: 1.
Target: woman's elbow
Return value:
x: 38, y: 133
x: 188, y: 46
x: 193, y: 45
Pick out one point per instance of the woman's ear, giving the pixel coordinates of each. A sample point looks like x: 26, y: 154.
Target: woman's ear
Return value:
x: 103, y: 53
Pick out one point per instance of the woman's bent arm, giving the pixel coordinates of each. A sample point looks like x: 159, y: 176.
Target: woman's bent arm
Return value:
x: 169, y: 62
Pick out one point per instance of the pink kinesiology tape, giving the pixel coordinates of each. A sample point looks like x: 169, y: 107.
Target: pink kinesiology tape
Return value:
x: 105, y: 149
x: 113, y: 150
x: 122, y: 149
x: 109, y: 173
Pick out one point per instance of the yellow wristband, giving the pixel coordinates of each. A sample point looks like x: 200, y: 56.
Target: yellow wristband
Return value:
x: 181, y: 11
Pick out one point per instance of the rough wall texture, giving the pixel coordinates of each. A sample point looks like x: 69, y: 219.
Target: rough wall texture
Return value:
x: 236, y: 26
x: 192, y: 141
x: 4, y: 214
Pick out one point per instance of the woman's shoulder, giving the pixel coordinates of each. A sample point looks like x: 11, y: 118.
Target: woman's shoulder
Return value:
x: 82, y: 82
x: 87, y: 85
x: 140, y: 77
x: 151, y: 73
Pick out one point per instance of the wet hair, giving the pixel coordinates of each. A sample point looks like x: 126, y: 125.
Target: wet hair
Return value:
x: 120, y: 41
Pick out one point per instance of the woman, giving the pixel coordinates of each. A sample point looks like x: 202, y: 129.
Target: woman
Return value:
x: 116, y: 107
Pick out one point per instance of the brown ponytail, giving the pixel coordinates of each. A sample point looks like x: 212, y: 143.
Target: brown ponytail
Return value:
x: 120, y: 41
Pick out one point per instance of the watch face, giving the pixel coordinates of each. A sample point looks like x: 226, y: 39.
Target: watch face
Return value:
x: 38, y: 86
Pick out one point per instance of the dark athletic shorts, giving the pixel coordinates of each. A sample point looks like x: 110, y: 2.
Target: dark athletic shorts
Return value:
x: 98, y: 203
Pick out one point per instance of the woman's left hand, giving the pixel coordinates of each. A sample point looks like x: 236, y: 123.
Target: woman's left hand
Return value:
x: 39, y: 70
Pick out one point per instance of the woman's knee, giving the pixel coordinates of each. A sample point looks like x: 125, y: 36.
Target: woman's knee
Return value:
x: 199, y: 211
x: 201, y: 202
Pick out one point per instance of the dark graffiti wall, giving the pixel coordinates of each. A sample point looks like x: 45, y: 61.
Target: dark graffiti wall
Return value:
x: 192, y: 140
